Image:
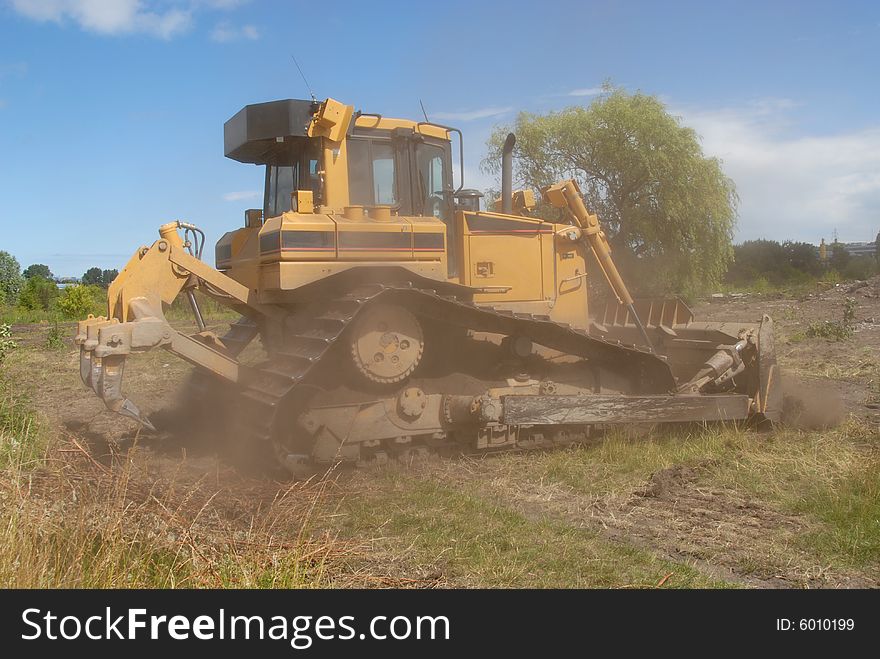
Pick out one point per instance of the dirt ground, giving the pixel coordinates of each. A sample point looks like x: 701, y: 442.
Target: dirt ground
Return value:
x: 667, y: 511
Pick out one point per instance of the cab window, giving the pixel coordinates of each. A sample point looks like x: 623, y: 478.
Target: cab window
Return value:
x: 279, y: 188
x: 295, y: 167
x: 432, y: 181
x: 372, y: 173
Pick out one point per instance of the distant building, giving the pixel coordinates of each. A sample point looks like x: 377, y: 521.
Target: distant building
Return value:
x: 860, y: 249
x: 64, y: 282
x: 854, y: 249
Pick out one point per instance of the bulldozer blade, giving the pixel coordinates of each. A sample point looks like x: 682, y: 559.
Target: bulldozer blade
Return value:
x: 769, y: 399
x: 612, y: 409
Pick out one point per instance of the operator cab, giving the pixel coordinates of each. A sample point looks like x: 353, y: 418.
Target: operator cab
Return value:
x: 390, y: 162
x: 342, y: 159
x: 402, y: 169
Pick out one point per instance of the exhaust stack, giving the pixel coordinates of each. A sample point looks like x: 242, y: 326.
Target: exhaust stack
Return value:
x: 507, y: 174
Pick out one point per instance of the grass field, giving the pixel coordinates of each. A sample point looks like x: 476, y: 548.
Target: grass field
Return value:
x: 88, y: 500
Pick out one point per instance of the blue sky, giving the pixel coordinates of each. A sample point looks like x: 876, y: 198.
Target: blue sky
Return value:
x: 111, y: 112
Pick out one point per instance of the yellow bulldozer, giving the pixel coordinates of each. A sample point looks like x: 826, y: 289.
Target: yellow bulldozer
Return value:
x: 397, y: 318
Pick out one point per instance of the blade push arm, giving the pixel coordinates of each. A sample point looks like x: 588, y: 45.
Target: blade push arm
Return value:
x: 567, y: 194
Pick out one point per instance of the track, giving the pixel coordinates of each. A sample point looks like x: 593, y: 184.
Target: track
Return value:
x: 299, y: 352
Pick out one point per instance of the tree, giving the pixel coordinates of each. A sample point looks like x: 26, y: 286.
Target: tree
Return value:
x: 668, y: 210
x: 93, y: 276
x: 108, y: 276
x: 38, y: 293
x: 786, y: 263
x: 839, y: 258
x: 756, y: 258
x: 10, y: 278
x: 38, y: 270
x: 802, y: 257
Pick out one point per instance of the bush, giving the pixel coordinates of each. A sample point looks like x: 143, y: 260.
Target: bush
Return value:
x: 829, y: 329
x: 860, y: 267
x: 832, y: 277
x: 38, y: 293
x: 77, y: 302
x: 55, y: 338
x: 760, y: 285
x: 6, y: 342
x: 836, y: 330
x: 10, y: 278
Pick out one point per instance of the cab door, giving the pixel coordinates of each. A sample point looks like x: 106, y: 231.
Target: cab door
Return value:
x: 432, y: 191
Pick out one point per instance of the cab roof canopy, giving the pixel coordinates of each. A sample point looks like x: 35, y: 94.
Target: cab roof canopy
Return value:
x: 251, y: 136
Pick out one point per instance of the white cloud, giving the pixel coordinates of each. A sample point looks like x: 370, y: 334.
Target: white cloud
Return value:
x: 471, y: 115
x: 587, y: 91
x: 798, y: 187
x: 241, y: 196
x: 108, y: 17
x: 224, y: 32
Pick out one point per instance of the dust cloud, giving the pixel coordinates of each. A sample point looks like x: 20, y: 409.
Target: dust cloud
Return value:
x: 810, y: 404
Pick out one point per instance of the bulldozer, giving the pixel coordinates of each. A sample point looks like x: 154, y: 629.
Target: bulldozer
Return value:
x: 399, y: 318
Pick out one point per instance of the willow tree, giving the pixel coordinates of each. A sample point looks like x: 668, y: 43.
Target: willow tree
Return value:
x: 668, y: 210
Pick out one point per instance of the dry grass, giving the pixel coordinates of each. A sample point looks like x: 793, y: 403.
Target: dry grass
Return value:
x: 67, y: 520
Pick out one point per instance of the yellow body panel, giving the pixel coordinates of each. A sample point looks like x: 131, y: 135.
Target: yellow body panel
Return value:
x: 429, y: 240
x: 506, y: 261
x: 277, y: 280
x: 570, y: 285
x: 335, y: 175
x: 387, y: 123
x: 363, y: 240
x: 541, y: 270
x: 298, y: 237
x: 297, y: 249
x: 505, y: 251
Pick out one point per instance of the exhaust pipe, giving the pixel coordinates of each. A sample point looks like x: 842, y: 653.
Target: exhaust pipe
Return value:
x: 507, y: 174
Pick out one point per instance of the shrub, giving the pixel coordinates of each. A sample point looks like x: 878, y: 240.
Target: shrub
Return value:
x: 55, y: 338
x: 760, y: 285
x: 77, y: 302
x: 38, y: 293
x: 6, y: 342
x: 836, y: 330
x: 10, y: 278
